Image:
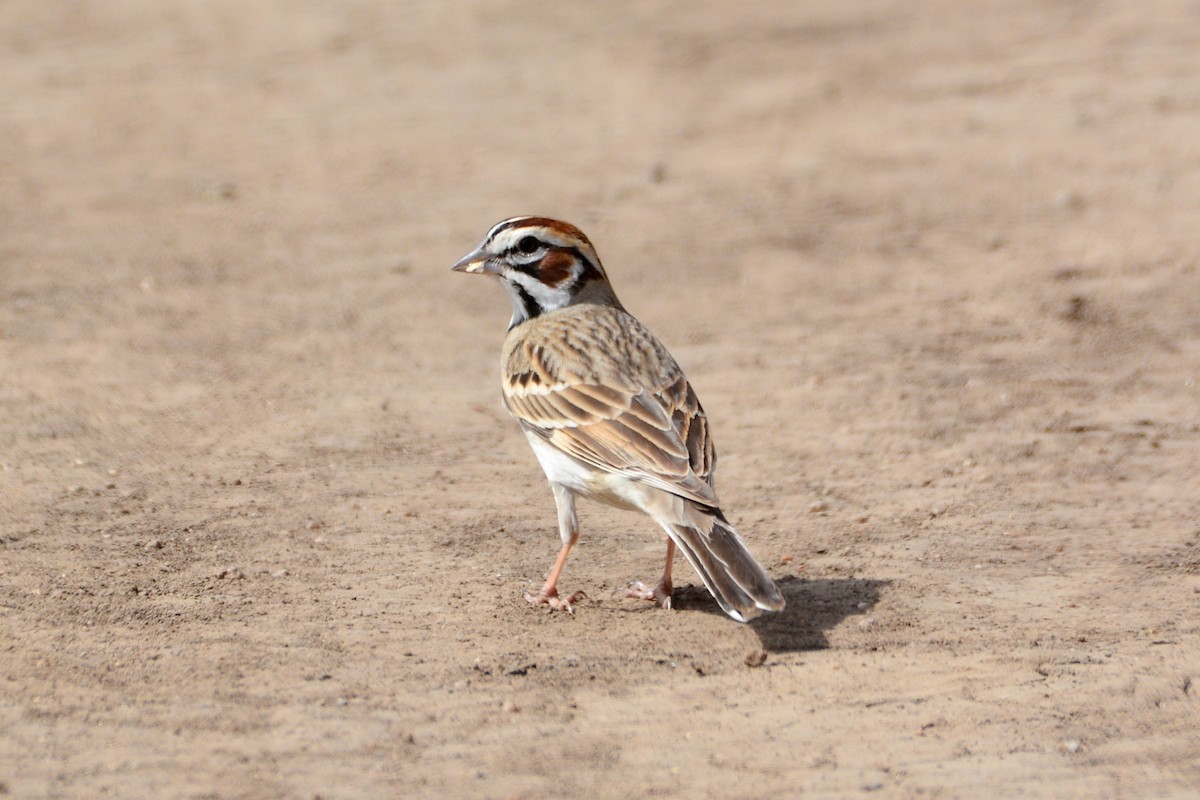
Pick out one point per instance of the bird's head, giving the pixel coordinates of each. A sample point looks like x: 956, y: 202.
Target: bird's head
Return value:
x: 544, y: 264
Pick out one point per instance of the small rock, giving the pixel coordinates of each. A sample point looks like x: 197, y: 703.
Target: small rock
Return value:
x: 509, y: 707
x: 1070, y: 201
x: 755, y: 658
x: 1072, y: 746
x: 1077, y: 309
x: 1069, y: 272
x: 818, y: 507
x: 225, y: 190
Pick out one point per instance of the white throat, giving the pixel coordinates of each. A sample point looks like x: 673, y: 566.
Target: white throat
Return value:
x: 525, y: 289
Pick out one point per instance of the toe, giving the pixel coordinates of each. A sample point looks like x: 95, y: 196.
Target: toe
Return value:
x: 553, y: 600
x: 639, y: 591
x: 660, y: 595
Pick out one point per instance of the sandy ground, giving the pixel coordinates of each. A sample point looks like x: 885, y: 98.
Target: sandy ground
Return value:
x: 265, y: 526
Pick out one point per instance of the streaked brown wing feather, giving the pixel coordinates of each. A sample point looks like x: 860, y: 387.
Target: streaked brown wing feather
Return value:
x: 587, y: 403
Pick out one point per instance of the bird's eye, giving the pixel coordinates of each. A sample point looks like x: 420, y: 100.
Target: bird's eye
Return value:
x: 528, y: 245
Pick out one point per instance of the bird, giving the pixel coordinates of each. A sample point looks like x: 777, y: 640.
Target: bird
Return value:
x: 609, y: 414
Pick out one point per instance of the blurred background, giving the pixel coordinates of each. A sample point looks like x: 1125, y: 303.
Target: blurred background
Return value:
x: 932, y: 269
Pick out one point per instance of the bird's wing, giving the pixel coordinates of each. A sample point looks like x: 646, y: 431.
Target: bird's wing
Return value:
x: 609, y: 394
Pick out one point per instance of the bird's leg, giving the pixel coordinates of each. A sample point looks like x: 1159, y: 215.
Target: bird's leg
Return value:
x: 568, y: 529
x: 549, y: 596
x: 660, y: 594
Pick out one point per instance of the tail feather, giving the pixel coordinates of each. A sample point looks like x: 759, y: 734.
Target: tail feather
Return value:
x: 733, y: 576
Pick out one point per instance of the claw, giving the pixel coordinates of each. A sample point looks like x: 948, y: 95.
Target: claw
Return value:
x: 553, y: 600
x: 660, y: 594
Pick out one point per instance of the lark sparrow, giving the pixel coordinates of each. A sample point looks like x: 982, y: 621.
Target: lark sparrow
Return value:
x: 608, y: 412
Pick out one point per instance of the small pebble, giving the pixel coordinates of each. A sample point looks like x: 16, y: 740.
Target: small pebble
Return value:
x: 755, y: 658
x: 818, y: 507
x: 1070, y: 200
x: 1072, y: 746
x: 226, y: 190
x: 509, y: 707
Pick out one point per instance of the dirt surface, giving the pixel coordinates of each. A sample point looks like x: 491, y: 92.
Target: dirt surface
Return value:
x: 265, y: 526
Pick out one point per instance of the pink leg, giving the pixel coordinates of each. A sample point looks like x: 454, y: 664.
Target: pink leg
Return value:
x: 660, y: 594
x: 568, y: 529
x: 548, y: 596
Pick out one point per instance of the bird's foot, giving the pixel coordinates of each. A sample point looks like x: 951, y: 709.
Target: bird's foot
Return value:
x: 550, y: 597
x: 660, y: 594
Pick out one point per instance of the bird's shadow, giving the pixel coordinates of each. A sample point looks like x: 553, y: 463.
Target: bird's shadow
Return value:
x: 813, y: 607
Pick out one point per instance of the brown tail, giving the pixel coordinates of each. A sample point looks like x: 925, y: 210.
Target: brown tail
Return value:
x: 735, y: 579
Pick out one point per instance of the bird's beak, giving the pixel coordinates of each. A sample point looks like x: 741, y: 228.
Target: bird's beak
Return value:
x: 478, y: 262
